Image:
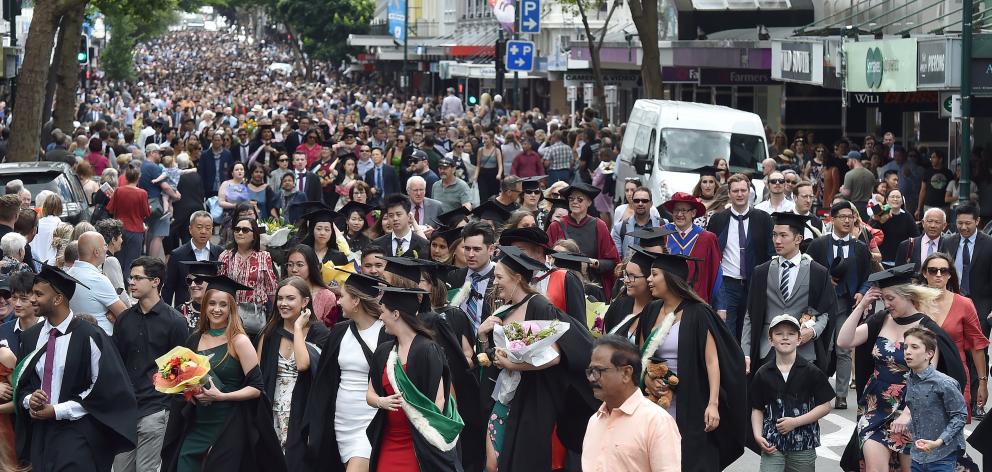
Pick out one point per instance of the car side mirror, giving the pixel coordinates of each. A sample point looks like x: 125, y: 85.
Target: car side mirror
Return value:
x: 642, y: 165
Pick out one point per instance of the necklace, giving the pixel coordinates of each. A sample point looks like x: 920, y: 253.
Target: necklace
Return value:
x: 218, y: 332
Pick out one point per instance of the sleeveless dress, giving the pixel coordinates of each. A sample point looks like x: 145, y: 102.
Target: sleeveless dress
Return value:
x: 669, y: 350
x: 878, y: 407
x: 282, y: 402
x: 352, y: 415
x: 226, y: 373
x: 396, y: 454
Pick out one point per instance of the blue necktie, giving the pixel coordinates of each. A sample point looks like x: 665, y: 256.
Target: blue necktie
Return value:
x: 378, y: 179
x: 472, y: 306
x: 966, y: 270
x: 784, y: 286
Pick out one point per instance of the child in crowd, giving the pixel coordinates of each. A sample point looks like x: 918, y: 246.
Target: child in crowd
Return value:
x: 936, y: 406
x: 788, y: 397
x: 170, y: 175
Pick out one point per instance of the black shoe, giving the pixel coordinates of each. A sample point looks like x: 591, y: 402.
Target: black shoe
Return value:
x: 840, y: 404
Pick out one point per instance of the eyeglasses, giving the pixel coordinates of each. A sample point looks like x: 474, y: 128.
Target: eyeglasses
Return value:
x: 142, y: 277
x: 595, y: 373
x: 641, y: 200
x: 242, y: 229
x: 298, y: 265
x: 682, y: 211
x: 939, y: 270
x: 632, y: 277
x: 776, y: 181
x: 844, y: 217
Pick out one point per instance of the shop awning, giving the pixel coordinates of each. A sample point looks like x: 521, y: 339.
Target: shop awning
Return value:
x: 375, y: 41
x: 896, y: 17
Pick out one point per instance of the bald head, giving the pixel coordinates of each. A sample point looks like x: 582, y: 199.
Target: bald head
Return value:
x: 92, y: 248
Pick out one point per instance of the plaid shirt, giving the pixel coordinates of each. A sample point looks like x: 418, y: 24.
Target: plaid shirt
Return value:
x: 558, y: 155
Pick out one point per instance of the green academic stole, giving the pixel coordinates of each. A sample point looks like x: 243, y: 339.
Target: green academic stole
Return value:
x: 439, y: 428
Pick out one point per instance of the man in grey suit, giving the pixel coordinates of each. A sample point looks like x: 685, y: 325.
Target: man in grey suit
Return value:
x: 789, y: 283
x: 425, y: 210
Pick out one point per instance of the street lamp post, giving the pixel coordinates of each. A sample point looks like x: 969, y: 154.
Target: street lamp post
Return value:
x: 965, y: 148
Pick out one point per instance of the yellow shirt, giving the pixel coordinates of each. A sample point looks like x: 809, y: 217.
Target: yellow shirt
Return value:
x: 640, y: 436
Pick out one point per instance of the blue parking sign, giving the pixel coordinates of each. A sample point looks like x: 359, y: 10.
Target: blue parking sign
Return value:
x: 519, y: 56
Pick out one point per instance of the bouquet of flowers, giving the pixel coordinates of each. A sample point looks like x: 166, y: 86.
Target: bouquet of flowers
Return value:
x: 529, y: 342
x: 178, y: 369
x: 277, y: 233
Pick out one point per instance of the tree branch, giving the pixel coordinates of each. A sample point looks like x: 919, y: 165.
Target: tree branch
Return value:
x: 606, y: 24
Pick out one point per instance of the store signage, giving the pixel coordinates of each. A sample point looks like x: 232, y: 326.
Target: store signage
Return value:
x: 908, y: 101
x: 735, y: 77
x: 938, y: 64
x: 888, y: 65
x: 981, y: 75
x: 680, y: 75
x: 794, y: 61
x: 623, y: 80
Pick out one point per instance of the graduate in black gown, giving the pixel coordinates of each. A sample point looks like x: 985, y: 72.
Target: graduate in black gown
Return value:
x: 353, y: 222
x: 93, y: 416
x: 327, y: 450
x: 229, y: 426
x: 417, y: 426
x: 623, y: 316
x: 454, y: 333
x: 292, y: 318
x: 551, y: 400
x: 712, y: 416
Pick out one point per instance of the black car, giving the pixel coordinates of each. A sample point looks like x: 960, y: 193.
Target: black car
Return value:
x: 57, y: 177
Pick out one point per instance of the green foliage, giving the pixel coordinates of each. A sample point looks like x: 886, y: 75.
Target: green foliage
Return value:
x: 324, y: 25
x: 127, y: 29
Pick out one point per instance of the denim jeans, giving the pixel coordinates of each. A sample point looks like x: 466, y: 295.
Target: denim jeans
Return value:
x: 131, y: 249
x: 733, y: 299
x: 555, y: 175
x: 946, y: 464
x: 797, y: 461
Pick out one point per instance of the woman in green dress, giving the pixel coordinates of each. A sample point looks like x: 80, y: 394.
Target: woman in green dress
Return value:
x: 223, y: 428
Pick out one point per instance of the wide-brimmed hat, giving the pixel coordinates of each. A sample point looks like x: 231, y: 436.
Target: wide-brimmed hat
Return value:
x: 682, y: 197
x: 581, y: 187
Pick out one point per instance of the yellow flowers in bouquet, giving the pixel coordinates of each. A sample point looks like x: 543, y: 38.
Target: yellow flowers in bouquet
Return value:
x: 180, y: 369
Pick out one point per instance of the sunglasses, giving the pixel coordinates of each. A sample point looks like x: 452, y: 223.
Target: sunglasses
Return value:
x: 282, y: 160
x: 242, y: 229
x: 939, y: 270
x: 190, y: 280
x: 640, y: 200
x: 776, y: 181
x: 532, y: 192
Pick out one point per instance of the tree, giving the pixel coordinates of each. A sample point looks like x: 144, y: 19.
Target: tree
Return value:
x: 127, y: 29
x: 320, y: 28
x: 595, y: 42
x: 645, y: 17
x: 66, y: 68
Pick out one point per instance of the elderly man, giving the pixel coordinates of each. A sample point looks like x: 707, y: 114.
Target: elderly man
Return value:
x: 916, y: 250
x: 425, y: 210
x: 419, y: 167
x: 96, y: 295
x: 629, y: 433
x: 201, y: 227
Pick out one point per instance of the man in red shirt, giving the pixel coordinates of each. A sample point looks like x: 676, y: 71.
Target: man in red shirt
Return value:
x: 130, y: 205
x: 528, y: 163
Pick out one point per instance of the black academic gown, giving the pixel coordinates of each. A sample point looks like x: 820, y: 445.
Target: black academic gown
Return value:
x: 426, y: 366
x: 981, y: 440
x: 111, y: 424
x: 717, y: 449
x: 557, y: 396
x: 318, y: 426
x: 269, y: 365
x: 448, y: 326
x: 248, y: 442
x: 617, y: 316
x: 949, y: 362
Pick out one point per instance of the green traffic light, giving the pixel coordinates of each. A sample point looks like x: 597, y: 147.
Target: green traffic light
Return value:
x: 471, y: 100
x: 81, y: 57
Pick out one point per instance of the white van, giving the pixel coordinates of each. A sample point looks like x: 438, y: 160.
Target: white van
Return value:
x: 665, y: 140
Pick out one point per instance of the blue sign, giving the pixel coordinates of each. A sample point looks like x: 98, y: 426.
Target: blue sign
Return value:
x: 396, y: 13
x: 530, y: 16
x: 519, y: 56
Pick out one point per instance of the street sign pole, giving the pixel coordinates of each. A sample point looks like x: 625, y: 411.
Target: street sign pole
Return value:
x: 965, y: 147
x: 406, y: 45
x: 572, y: 92
x: 516, y: 75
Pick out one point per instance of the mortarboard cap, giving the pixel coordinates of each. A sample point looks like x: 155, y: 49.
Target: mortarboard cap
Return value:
x: 453, y: 218
x: 59, y: 280
x: 406, y: 300
x: 515, y: 259
x: 531, y: 235
x: 899, y: 275
x: 794, y: 221
x: 350, y: 207
x: 581, y: 187
x: 642, y: 258
x: 706, y: 170
x: 651, y: 237
x: 449, y: 235
x: 309, y: 206
x: 366, y: 284
x: 323, y: 215
x: 202, y: 267
x: 557, y: 202
x: 570, y: 260
x: 489, y: 210
x: 675, y: 264
x: 406, y: 267
x: 223, y: 283
x: 532, y: 183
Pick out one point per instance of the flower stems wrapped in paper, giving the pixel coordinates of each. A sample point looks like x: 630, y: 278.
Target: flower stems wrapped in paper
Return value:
x: 527, y: 342
x: 181, y: 371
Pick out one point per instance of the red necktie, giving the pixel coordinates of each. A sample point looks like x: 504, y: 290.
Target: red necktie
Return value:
x: 416, y: 214
x: 46, y: 380
x: 301, y: 177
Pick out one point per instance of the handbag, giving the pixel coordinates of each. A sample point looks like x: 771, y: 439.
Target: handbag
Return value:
x: 216, y: 212
x: 253, y: 317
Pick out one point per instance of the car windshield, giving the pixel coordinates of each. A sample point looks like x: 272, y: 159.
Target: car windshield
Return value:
x: 682, y: 150
x: 54, y: 181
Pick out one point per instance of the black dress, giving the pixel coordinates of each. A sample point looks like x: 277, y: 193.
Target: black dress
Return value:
x: 717, y: 449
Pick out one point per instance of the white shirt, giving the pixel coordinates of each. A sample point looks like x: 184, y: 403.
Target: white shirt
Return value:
x: 766, y: 206
x: 481, y: 287
x: 70, y: 410
x: 793, y: 271
x: 846, y: 249
x: 731, y: 263
x: 403, y: 239
x: 201, y: 254
x: 925, y: 242
x: 96, y: 299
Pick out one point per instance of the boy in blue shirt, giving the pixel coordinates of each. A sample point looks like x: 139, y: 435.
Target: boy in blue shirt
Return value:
x: 788, y: 397
x: 936, y: 406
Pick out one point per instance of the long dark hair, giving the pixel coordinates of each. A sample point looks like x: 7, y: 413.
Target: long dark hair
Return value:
x: 953, y: 284
x: 314, y: 276
x: 439, y: 290
x: 680, y: 287
x: 274, y: 319
x: 256, y: 244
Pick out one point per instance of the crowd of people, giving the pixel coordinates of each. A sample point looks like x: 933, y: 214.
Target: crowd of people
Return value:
x: 388, y: 283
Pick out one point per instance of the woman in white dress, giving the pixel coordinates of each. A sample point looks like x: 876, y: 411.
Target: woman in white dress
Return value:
x: 51, y: 210
x: 338, y: 412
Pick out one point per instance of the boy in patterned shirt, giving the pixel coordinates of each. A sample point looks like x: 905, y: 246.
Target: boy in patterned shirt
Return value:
x: 788, y: 397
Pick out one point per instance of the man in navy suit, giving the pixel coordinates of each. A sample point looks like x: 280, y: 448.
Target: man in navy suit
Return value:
x: 214, y: 164
x: 18, y: 286
x: 381, y: 177
x: 306, y: 181
x: 745, y: 237
x: 847, y: 259
x: 201, y: 227
x: 915, y: 250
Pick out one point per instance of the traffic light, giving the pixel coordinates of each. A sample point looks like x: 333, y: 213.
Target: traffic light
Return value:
x: 83, y: 56
x: 500, y: 55
x: 11, y: 9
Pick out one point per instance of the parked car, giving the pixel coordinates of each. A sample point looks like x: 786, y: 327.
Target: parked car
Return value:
x: 58, y: 177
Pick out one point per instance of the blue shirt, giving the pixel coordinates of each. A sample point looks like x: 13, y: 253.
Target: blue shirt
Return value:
x: 96, y: 299
x: 938, y: 411
x: 958, y: 262
x: 149, y: 172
